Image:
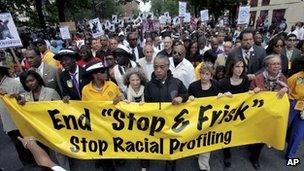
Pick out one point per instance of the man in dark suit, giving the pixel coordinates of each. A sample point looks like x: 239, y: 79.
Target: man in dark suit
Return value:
x: 252, y: 54
x: 71, y: 78
x: 290, y: 51
x: 49, y: 73
x: 135, y: 49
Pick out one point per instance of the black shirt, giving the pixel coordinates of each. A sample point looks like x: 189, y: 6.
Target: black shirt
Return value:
x: 225, y: 85
x: 196, y: 90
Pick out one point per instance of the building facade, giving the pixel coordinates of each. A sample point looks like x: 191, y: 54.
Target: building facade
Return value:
x: 274, y: 11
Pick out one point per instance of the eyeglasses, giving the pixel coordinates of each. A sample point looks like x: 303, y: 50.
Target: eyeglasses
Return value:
x: 275, y: 64
x: 292, y: 40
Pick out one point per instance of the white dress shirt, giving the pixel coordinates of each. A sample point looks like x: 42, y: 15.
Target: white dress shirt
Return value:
x: 184, y: 71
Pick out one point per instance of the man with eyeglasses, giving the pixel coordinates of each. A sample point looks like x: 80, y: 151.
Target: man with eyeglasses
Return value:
x: 290, y: 50
x: 180, y: 67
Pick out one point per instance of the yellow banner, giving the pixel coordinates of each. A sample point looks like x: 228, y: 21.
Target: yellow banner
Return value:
x: 91, y: 130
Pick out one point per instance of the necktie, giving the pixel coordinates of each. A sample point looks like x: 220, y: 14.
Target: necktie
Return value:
x: 75, y: 83
x: 247, y: 56
x: 133, y: 53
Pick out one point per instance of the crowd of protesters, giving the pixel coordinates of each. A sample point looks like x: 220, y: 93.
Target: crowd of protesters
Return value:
x: 173, y: 64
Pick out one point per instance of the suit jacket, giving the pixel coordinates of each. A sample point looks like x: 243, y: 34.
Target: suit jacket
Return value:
x: 140, y: 53
x: 295, y: 54
x: 46, y: 94
x: 67, y: 87
x: 51, y: 77
x: 256, y: 60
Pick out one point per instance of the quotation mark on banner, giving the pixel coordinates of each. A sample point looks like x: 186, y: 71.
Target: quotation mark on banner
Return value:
x: 108, y: 111
x: 258, y: 103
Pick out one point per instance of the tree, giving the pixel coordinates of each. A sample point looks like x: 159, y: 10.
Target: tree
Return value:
x: 158, y: 7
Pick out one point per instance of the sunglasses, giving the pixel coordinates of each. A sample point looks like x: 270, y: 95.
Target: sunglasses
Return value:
x: 279, y: 45
x: 177, y: 53
x: 99, y: 71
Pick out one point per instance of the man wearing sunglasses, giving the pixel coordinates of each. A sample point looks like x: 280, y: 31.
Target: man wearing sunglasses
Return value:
x: 290, y: 49
x: 180, y: 67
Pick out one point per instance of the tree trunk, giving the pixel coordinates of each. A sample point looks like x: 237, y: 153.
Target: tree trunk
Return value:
x: 38, y: 5
x: 60, y: 6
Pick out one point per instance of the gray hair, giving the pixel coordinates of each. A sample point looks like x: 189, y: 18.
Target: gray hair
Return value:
x: 162, y: 57
x: 267, y: 58
x: 137, y: 71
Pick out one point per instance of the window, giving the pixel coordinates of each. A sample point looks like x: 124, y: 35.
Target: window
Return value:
x: 253, y: 3
x: 278, y: 15
x: 265, y: 2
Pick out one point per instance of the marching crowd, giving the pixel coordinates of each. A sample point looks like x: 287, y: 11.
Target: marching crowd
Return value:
x: 174, y: 64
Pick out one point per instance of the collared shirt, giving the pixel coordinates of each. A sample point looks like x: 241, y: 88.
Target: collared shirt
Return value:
x: 108, y: 92
x: 40, y: 69
x: 77, y: 74
x: 247, y: 54
x: 48, y: 57
x: 183, y: 71
x: 135, y: 52
x: 147, y: 66
x: 289, y: 54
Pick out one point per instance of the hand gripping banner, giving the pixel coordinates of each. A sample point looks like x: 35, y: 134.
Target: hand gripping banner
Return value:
x: 91, y: 130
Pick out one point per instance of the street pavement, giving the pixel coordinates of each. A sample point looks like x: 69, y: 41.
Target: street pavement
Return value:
x: 270, y: 160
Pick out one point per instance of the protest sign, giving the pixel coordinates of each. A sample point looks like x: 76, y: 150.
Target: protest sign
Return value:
x: 114, y: 19
x: 65, y: 33
x: 244, y: 15
x: 162, y: 19
x: 204, y: 15
x: 187, y: 18
x: 71, y: 25
x: 182, y: 7
x: 9, y: 36
x: 91, y: 130
x: 96, y: 28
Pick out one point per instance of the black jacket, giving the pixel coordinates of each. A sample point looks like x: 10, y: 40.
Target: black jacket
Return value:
x: 156, y: 91
x: 67, y: 89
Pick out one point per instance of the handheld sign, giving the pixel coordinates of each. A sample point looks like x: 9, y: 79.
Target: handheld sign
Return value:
x: 9, y: 36
x: 204, y: 15
x: 65, y: 33
x: 182, y: 6
x: 96, y: 28
x: 244, y: 15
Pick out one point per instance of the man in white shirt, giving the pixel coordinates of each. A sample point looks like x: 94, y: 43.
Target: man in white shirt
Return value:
x: 135, y: 50
x: 147, y: 62
x: 180, y: 67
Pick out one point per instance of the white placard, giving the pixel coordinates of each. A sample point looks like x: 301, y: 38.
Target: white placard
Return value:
x: 182, y: 6
x: 176, y: 21
x: 244, y: 15
x: 120, y: 23
x: 187, y: 18
x: 204, y: 15
x: 65, y: 33
x: 96, y: 28
x: 162, y: 19
x: 114, y: 19
x: 9, y: 36
x: 137, y: 21
x: 107, y: 24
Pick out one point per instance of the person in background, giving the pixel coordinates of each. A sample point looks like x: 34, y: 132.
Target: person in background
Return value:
x: 135, y: 49
x: 221, y: 58
x: 146, y: 63
x: 204, y: 87
x: 180, y: 67
x: 168, y: 47
x: 276, y: 46
x: 95, y: 45
x: 290, y: 50
x: 193, y: 54
x: 111, y: 62
x: 47, y: 55
x: 113, y: 43
x: 49, y: 74
x: 271, y: 79
x: 86, y: 56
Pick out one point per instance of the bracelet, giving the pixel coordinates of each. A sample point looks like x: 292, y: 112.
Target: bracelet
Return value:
x: 25, y: 144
